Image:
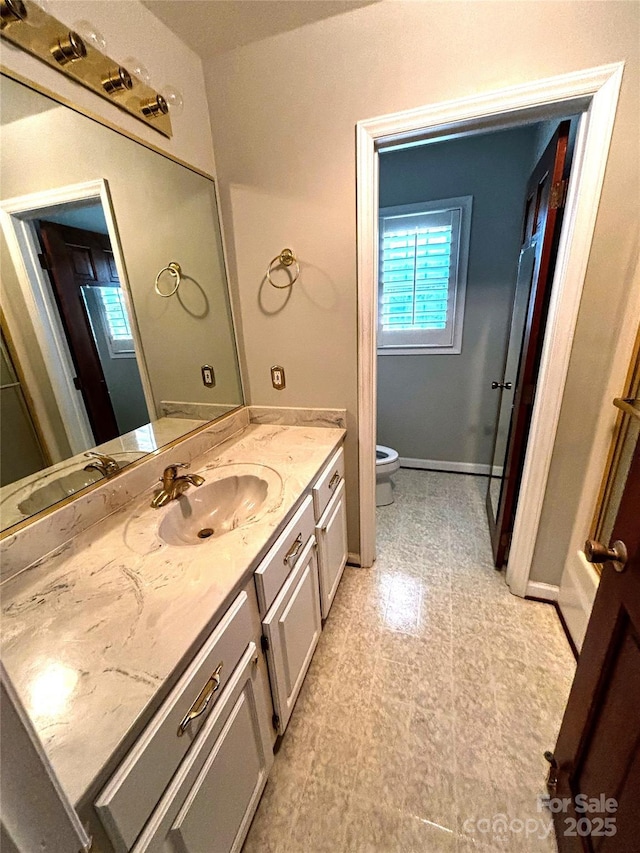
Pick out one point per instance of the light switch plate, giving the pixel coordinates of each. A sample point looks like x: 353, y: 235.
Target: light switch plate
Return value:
x: 277, y: 377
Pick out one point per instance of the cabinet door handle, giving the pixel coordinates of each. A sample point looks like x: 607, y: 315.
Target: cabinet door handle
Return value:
x: 293, y: 552
x: 334, y: 480
x: 202, y: 702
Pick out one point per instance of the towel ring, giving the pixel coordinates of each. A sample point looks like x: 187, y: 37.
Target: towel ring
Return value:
x: 173, y: 269
x: 286, y: 258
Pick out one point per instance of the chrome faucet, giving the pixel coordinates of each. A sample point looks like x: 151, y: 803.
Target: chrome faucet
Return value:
x: 174, y: 486
x: 106, y: 465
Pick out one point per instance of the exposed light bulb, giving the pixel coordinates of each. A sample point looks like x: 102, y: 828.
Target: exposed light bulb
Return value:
x: 174, y: 99
x: 135, y: 67
x: 91, y: 35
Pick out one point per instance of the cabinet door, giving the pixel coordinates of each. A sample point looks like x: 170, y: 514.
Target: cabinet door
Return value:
x: 211, y: 800
x: 331, y: 533
x: 219, y: 807
x: 292, y: 627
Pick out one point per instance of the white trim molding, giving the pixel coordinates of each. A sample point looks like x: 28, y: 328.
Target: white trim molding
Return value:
x: 544, y: 591
x: 16, y: 217
x: 478, y: 468
x: 594, y: 93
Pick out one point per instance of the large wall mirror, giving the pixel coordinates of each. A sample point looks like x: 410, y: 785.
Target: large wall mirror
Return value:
x: 99, y: 365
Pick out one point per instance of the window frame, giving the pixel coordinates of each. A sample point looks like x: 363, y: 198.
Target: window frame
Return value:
x: 118, y: 347
x: 453, y: 343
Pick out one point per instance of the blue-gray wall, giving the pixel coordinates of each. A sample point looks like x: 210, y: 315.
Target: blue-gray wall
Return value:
x: 441, y: 407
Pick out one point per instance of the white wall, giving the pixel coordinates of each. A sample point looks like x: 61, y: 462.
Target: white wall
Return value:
x: 284, y: 113
x: 132, y: 30
x: 441, y: 407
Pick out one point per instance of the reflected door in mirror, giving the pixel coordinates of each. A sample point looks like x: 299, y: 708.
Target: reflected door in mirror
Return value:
x: 88, y: 294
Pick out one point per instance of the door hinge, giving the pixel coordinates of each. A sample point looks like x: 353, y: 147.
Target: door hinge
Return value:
x: 44, y: 261
x: 264, y: 643
x: 76, y: 384
x: 558, y: 194
x: 275, y: 721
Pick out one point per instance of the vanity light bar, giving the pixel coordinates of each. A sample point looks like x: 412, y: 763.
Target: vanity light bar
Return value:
x: 26, y: 25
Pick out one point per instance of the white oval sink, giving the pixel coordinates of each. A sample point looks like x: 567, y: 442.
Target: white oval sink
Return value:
x: 66, y: 480
x: 213, y: 509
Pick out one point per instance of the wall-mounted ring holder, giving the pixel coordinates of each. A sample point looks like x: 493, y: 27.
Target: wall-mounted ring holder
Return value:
x: 286, y: 258
x: 173, y: 269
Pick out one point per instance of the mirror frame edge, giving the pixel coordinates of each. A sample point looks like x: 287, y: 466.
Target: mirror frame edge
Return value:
x: 60, y: 99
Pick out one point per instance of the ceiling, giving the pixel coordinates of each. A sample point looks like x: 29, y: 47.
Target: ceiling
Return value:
x: 210, y: 27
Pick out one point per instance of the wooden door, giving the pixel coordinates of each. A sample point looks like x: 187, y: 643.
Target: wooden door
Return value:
x: 541, y: 231
x: 75, y: 258
x: 598, y: 749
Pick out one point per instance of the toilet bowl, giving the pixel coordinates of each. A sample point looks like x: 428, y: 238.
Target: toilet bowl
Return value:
x: 387, y: 463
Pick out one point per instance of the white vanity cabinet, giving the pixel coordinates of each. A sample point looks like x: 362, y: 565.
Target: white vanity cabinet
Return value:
x: 331, y: 528
x: 289, y: 599
x: 331, y: 535
x: 211, y: 800
x: 193, y: 779
x: 292, y: 628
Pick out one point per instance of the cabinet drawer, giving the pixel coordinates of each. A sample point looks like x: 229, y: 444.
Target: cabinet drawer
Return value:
x: 208, y: 806
x: 327, y: 483
x: 331, y: 534
x: 131, y: 795
x: 283, y: 556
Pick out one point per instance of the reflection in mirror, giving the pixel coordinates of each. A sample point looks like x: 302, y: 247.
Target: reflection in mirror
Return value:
x: 93, y: 359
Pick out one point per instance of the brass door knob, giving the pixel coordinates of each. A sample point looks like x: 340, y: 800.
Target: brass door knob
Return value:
x: 596, y: 552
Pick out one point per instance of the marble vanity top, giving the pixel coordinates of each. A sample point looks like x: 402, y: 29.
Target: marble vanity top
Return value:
x: 93, y: 633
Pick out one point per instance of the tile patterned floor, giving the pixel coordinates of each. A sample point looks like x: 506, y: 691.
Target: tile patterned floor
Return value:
x: 430, y: 700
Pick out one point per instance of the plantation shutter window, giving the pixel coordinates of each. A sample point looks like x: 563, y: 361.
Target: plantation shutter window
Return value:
x: 422, y: 276
x: 113, y: 317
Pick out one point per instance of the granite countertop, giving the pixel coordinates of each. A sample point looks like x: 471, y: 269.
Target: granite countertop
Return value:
x: 92, y: 633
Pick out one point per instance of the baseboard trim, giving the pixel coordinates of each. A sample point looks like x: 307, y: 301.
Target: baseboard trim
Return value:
x: 451, y: 467
x: 543, y: 591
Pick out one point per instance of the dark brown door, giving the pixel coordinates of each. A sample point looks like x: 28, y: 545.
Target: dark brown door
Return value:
x: 598, y: 748
x: 541, y: 230
x: 76, y: 258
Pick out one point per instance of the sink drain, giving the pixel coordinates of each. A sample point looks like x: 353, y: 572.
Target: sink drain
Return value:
x: 205, y: 533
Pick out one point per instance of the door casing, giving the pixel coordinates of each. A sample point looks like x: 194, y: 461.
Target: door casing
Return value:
x: 594, y: 93
x: 16, y: 219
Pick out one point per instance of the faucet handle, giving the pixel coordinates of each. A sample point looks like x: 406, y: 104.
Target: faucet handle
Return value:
x: 171, y: 470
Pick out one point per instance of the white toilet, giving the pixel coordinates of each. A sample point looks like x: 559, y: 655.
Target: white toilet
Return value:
x: 387, y: 463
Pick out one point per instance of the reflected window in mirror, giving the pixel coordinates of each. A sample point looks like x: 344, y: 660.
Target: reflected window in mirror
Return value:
x: 99, y: 360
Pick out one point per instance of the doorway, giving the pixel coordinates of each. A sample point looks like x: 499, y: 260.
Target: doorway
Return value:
x: 594, y: 94
x: 72, y: 281
x: 468, y: 233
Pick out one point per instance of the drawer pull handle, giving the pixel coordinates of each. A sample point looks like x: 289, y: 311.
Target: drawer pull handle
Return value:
x: 334, y: 480
x: 293, y: 552
x: 202, y: 702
